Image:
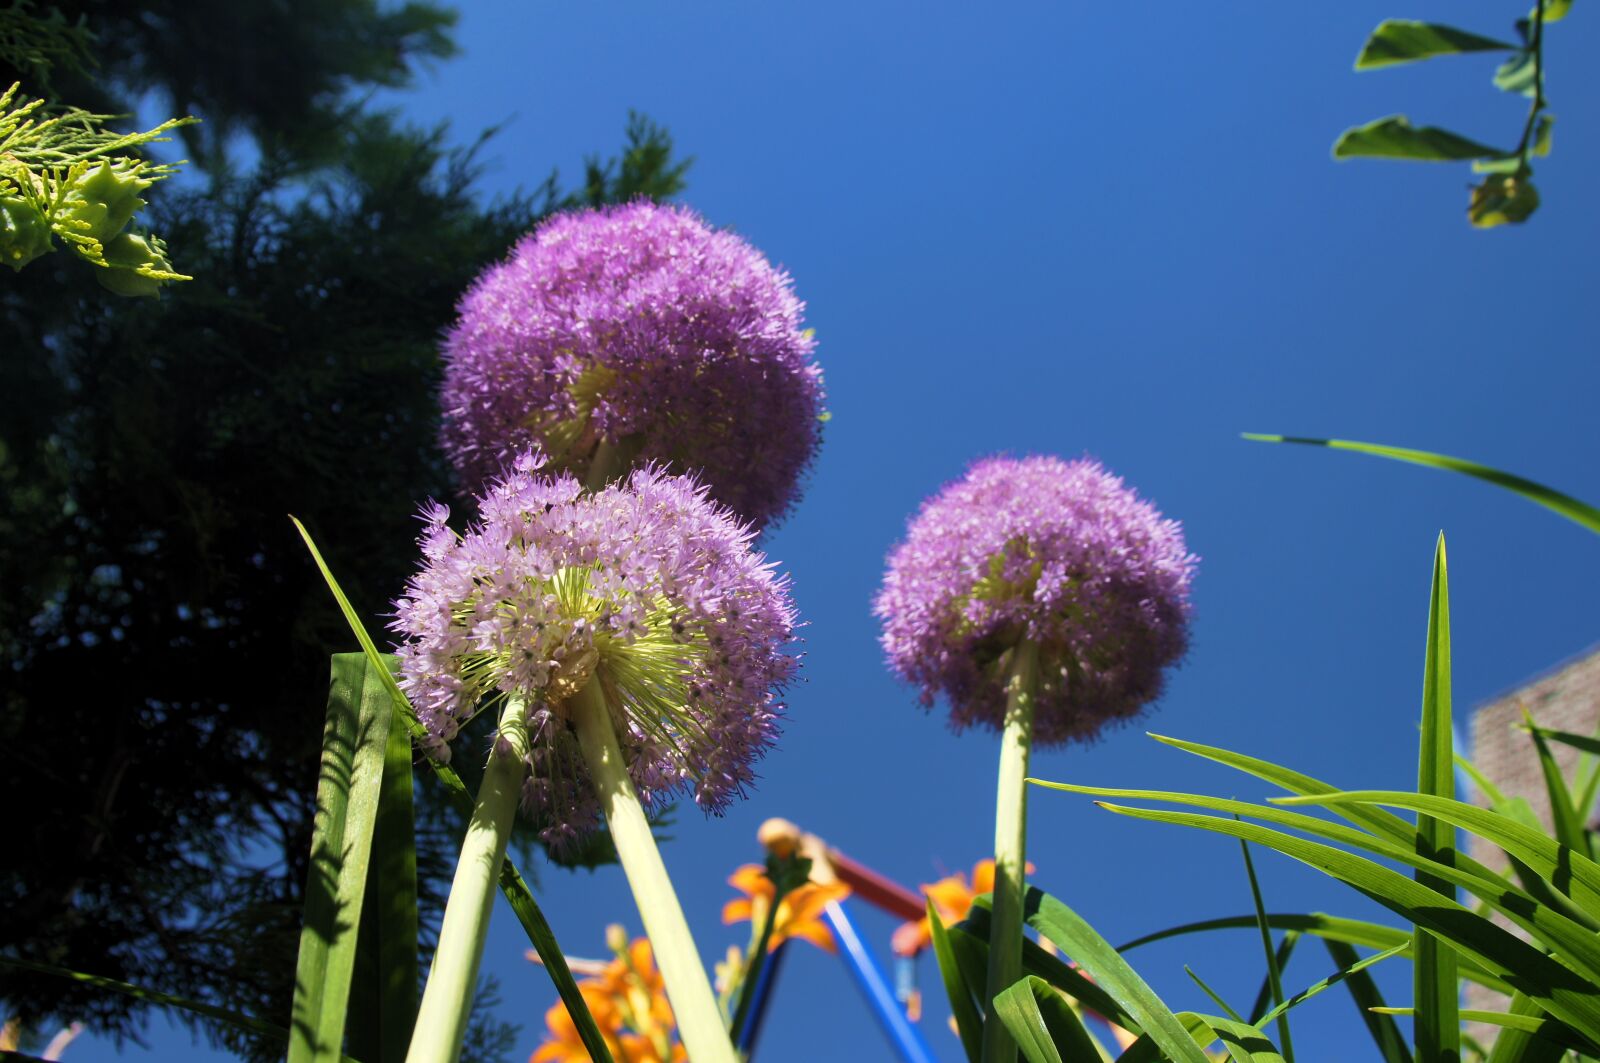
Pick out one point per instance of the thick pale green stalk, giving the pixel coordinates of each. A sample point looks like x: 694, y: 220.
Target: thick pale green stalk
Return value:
x: 1010, y: 848
x: 453, y: 979
x: 688, y: 990
x: 611, y: 461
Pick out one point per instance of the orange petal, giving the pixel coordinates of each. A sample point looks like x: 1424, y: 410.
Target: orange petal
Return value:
x: 815, y: 933
x: 736, y: 911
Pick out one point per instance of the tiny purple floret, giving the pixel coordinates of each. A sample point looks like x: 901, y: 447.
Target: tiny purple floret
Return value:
x: 646, y: 586
x: 1044, y: 549
x: 641, y: 327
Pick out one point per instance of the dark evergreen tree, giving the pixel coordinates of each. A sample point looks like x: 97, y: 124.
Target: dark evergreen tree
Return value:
x: 163, y: 635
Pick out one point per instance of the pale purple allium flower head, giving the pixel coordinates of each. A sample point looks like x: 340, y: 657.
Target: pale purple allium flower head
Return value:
x: 1054, y: 551
x: 642, y: 327
x: 647, y: 585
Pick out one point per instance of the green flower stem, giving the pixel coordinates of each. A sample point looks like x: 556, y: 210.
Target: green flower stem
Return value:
x: 453, y: 979
x: 688, y: 989
x: 611, y: 461
x: 1010, y: 847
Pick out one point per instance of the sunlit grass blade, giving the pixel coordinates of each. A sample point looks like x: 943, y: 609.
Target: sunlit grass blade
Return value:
x: 963, y: 1003
x: 1524, y: 1046
x: 1245, y: 1043
x: 1044, y: 1026
x: 1565, y: 817
x: 1263, y: 1001
x: 1567, y: 870
x: 1571, y: 995
x: 1216, y: 998
x: 974, y: 929
x: 512, y: 883
x: 1539, y: 1026
x: 1274, y: 973
x: 354, y: 740
x: 383, y: 1000
x: 1579, y: 512
x: 1586, y: 743
x: 1516, y: 808
x: 1386, y: 1035
x: 1330, y: 927
x: 1145, y: 1050
x: 1437, y: 1029
x: 246, y: 1023
x: 1074, y: 936
x: 1375, y: 820
x: 1355, y: 969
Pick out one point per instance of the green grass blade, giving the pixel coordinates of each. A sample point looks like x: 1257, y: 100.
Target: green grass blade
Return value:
x: 512, y: 884
x: 963, y: 1005
x: 1539, y: 1026
x: 1567, y: 994
x: 1516, y: 808
x: 1586, y: 743
x: 972, y: 933
x: 246, y: 1023
x: 383, y: 1001
x: 1569, y: 871
x: 1216, y: 998
x: 1245, y: 1043
x: 1563, y: 814
x: 1524, y: 1046
x: 1355, y: 970
x: 1274, y: 975
x: 353, y: 743
x: 1074, y: 936
x: 1329, y: 927
x: 1433, y: 962
x: 1145, y: 1050
x: 1578, y: 512
x: 1386, y: 1035
x: 1375, y: 820
x: 1044, y: 1025
x: 1264, y: 1000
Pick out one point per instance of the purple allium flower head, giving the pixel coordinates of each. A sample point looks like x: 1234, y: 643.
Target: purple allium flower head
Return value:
x: 647, y: 585
x: 1054, y: 551
x: 642, y: 327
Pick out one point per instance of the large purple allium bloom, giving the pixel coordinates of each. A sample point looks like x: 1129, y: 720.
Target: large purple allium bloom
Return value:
x: 1043, y: 549
x: 647, y: 585
x: 641, y: 327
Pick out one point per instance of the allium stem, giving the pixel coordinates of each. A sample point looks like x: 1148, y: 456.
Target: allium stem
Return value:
x: 688, y: 990
x: 453, y: 979
x: 611, y: 461
x: 1010, y: 847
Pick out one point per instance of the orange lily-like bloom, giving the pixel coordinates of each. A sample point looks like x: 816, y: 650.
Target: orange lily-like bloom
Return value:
x: 952, y: 899
x: 799, y: 913
x: 629, y: 1004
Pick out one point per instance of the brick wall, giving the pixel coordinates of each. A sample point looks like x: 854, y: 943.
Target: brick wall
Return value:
x: 1565, y: 698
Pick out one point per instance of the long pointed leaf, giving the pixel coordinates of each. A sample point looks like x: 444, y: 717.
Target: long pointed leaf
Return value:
x: 1568, y: 824
x: 1537, y: 1025
x: 1050, y: 917
x: 1364, y: 991
x: 1145, y: 1050
x: 1264, y: 999
x: 1044, y: 1026
x: 383, y: 1001
x: 1524, y: 1046
x: 1216, y: 998
x: 512, y: 884
x: 963, y: 1005
x: 1274, y: 975
x: 1356, y: 969
x: 1245, y: 1043
x: 1561, y: 991
x: 1433, y: 962
x: 353, y: 744
x: 1578, y: 512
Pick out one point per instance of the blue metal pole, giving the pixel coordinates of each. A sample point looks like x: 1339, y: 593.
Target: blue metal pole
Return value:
x: 905, y: 1037
x: 758, y: 1000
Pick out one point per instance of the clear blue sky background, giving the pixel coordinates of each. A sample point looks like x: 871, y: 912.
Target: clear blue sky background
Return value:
x: 1114, y: 230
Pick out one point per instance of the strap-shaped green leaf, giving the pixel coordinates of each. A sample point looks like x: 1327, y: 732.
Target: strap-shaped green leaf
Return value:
x: 1074, y: 936
x: 1399, y: 40
x: 962, y: 993
x: 512, y: 884
x: 1578, y: 512
x: 1044, y: 1025
x: 1540, y: 1026
x: 1568, y: 994
x: 1564, y: 814
x: 1355, y: 969
x: 1386, y: 1035
x: 1245, y: 1043
x: 1433, y: 962
x: 1395, y: 137
x: 1524, y: 1046
x: 1274, y: 981
x: 354, y: 740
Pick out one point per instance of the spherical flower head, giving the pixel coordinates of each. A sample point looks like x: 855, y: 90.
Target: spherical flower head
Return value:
x: 642, y: 328
x: 1043, y: 549
x: 647, y: 587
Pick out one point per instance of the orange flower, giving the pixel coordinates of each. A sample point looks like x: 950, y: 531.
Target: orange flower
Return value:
x: 799, y: 913
x: 562, y: 1043
x: 629, y: 1004
x: 952, y: 899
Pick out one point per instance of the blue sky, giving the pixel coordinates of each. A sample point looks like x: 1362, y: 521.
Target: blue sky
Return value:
x: 1110, y: 230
